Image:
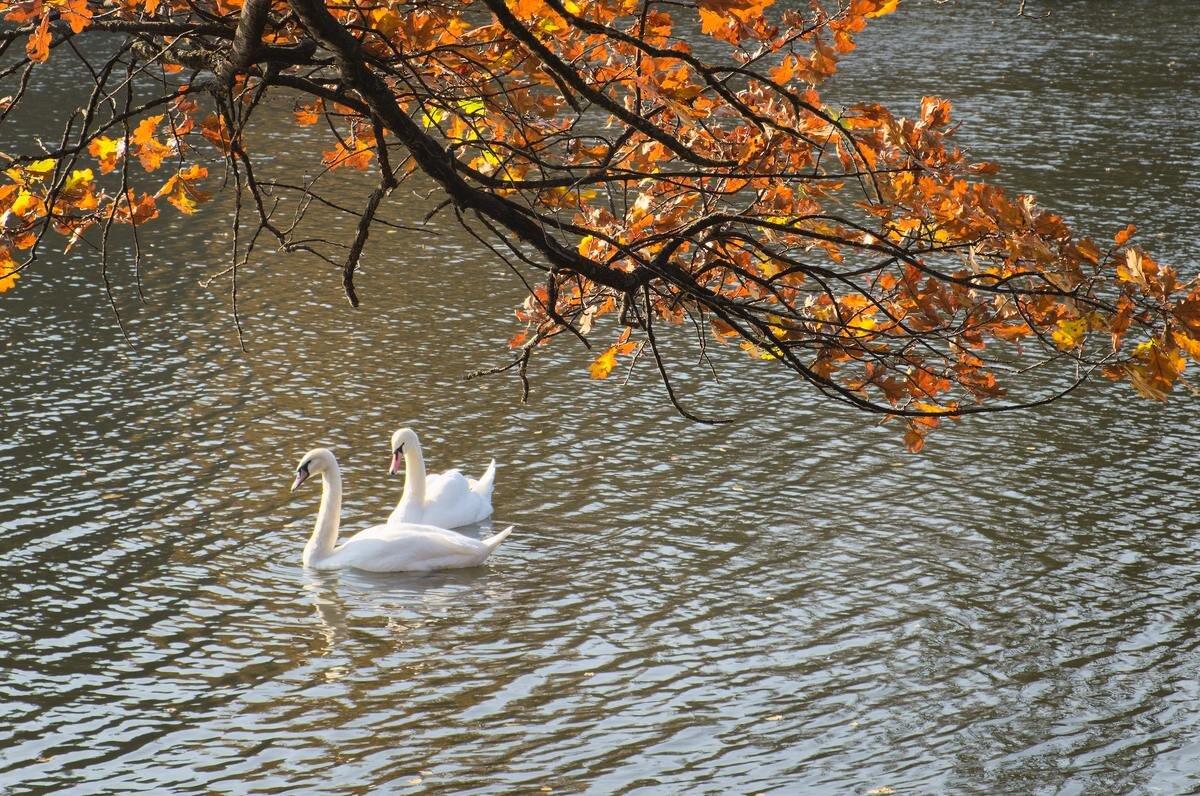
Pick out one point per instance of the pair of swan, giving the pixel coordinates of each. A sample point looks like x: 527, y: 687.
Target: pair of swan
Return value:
x: 409, y: 541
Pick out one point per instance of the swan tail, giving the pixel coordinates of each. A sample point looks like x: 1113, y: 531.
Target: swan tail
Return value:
x: 492, y: 542
x: 486, y: 482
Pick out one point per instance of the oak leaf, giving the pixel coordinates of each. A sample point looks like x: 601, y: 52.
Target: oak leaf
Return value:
x: 149, y: 150
x: 37, y: 47
x: 76, y: 13
x: 180, y: 191
x: 604, y: 364
x: 8, y: 270
x: 107, y: 151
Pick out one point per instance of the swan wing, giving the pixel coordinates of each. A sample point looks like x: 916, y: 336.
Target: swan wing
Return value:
x: 407, y: 548
x: 450, y: 502
x: 483, y: 487
x: 446, y: 488
x: 394, y: 527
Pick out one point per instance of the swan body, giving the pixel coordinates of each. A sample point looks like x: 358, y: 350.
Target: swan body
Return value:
x: 447, y: 500
x: 398, y: 547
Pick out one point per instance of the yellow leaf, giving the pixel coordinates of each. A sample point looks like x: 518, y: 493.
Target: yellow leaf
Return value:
x: 1070, y: 333
x: 27, y: 203
x: 472, y: 107
x: 32, y: 173
x: 79, y: 189
x: 431, y: 116
x: 884, y: 7
x: 41, y: 167
x: 604, y: 364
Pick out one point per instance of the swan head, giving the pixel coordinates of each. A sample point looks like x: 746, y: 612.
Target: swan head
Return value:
x: 403, y: 437
x: 316, y: 461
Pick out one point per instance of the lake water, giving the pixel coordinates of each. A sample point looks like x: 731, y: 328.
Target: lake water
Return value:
x: 789, y: 604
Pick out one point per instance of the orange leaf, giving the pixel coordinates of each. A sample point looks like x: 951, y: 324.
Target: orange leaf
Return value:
x: 213, y: 128
x: 38, y: 45
x: 744, y: 10
x: 149, y: 150
x: 135, y: 211
x: 308, y: 114
x: 8, y: 270
x: 180, y: 192
x: 23, y: 11
x: 882, y: 7
x: 76, y: 13
x: 107, y: 151
x: 1124, y: 235
x: 359, y: 157
x: 914, y: 437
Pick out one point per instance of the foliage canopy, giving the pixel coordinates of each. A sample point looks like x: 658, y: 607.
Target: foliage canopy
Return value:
x: 659, y: 162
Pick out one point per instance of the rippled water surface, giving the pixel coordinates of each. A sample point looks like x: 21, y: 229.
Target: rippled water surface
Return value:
x: 789, y: 604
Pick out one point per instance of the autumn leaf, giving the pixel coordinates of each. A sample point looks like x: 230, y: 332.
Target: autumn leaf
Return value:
x: 32, y: 173
x: 745, y: 10
x: 214, y: 129
x: 880, y: 7
x: 1137, y: 268
x: 107, y: 152
x: 148, y: 149
x: 134, y: 211
x: 80, y: 190
x: 914, y: 437
x: 76, y: 12
x: 1070, y: 333
x: 1187, y: 312
x: 1124, y: 235
x: 8, y: 270
x: 27, y: 204
x: 308, y: 114
x: 180, y: 191
x: 19, y: 12
x: 37, y: 47
x: 604, y: 364
x: 472, y: 107
x: 359, y: 157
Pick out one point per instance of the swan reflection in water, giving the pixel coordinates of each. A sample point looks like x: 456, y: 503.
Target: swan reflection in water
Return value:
x: 351, y: 604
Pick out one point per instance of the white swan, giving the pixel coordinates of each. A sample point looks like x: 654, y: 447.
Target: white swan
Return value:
x: 381, y: 548
x: 447, y: 499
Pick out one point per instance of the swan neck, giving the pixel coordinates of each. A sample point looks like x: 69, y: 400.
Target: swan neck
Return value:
x: 414, y: 476
x: 325, y: 534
